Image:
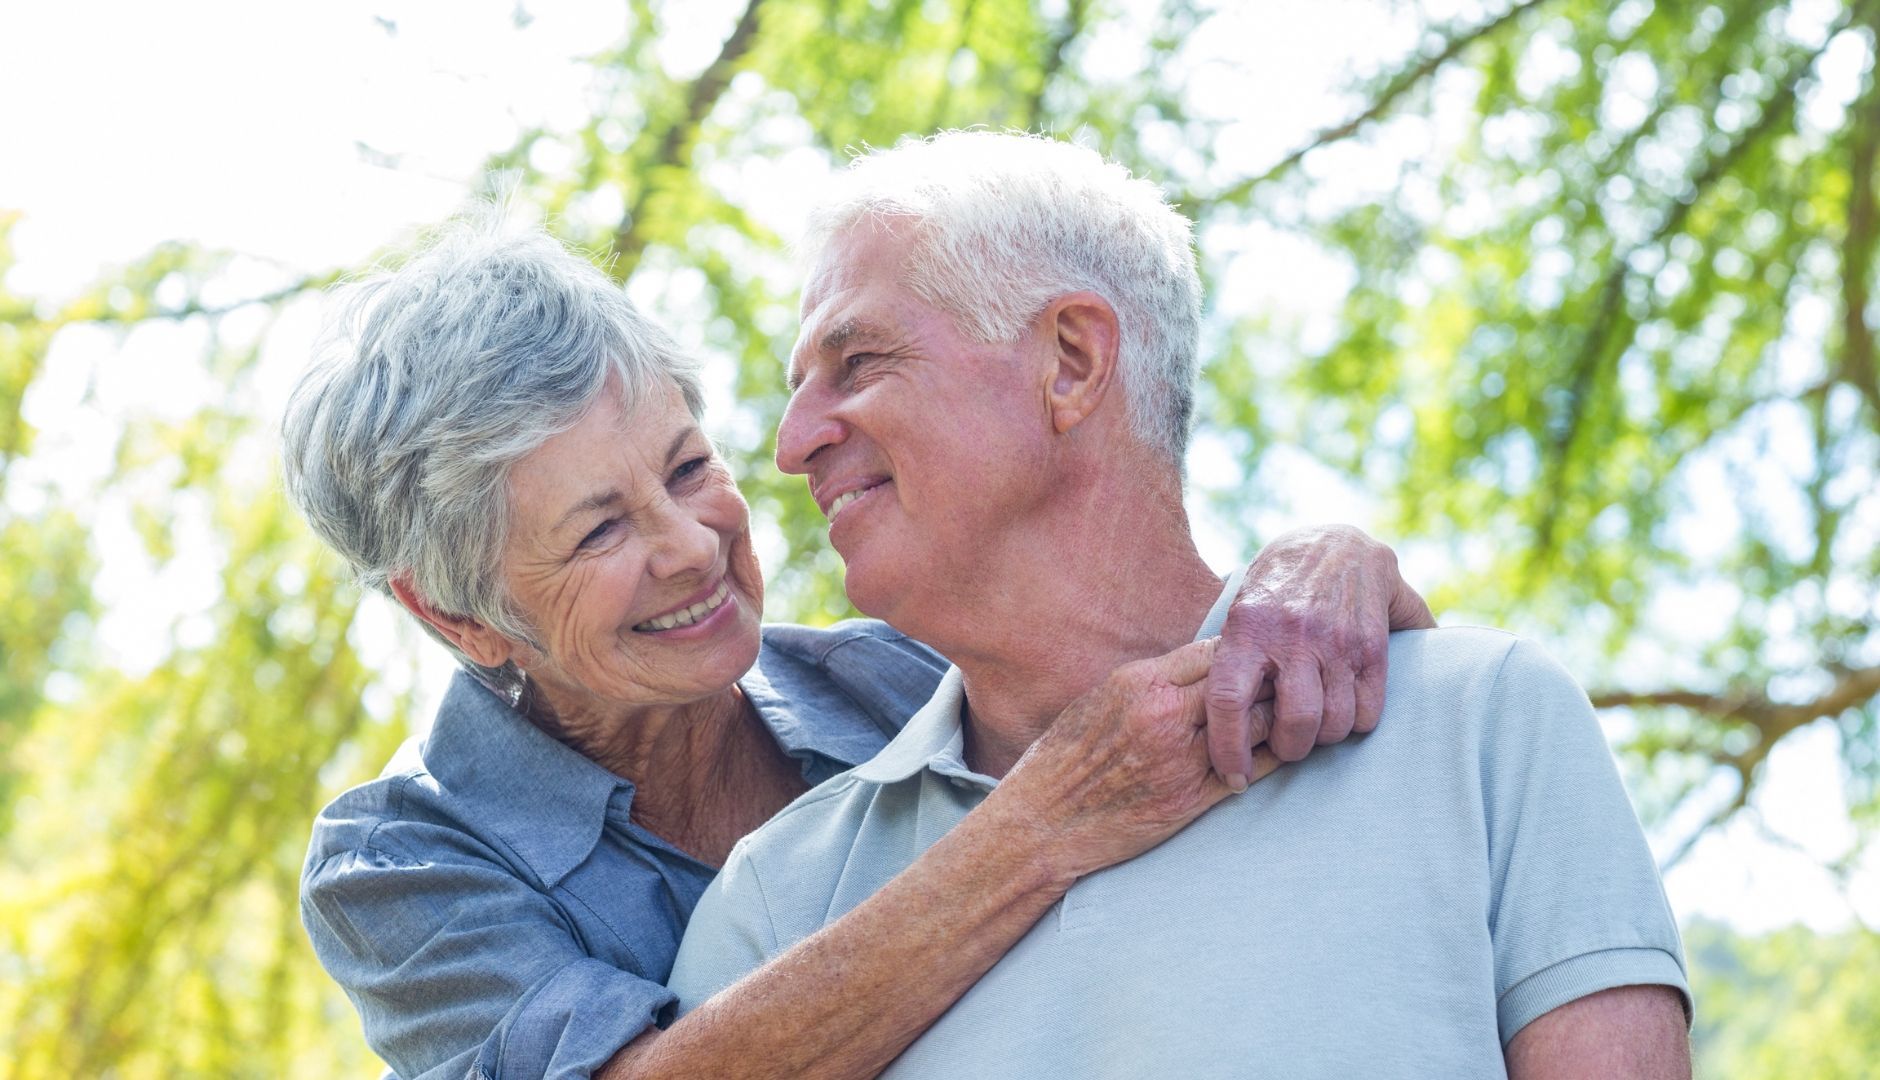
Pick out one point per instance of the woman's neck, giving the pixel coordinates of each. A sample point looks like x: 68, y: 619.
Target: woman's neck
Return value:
x: 705, y: 773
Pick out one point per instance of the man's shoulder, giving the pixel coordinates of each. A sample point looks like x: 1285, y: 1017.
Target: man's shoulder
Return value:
x: 1450, y: 649
x: 1455, y: 662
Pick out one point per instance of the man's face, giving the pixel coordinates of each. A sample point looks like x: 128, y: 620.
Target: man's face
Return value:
x: 922, y: 446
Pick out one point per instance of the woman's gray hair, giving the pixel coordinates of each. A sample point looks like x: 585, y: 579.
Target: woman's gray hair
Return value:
x: 1005, y: 223
x: 432, y: 381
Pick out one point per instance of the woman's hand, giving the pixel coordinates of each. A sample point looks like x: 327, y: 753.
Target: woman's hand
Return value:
x: 1301, y: 661
x: 1123, y: 767
x: 1310, y: 630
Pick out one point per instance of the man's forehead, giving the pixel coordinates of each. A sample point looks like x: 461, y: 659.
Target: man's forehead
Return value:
x: 851, y: 256
x: 849, y: 295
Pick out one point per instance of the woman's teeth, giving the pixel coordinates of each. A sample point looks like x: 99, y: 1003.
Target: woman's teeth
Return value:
x: 688, y: 616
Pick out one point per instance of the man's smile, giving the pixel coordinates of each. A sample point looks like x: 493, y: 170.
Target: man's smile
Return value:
x: 849, y: 493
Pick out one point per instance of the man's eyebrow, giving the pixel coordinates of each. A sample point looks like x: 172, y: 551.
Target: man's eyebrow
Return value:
x: 844, y: 334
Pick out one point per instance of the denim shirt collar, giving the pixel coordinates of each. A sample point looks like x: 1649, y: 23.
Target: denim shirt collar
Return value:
x: 543, y: 798
x: 824, y: 729
x: 549, y: 802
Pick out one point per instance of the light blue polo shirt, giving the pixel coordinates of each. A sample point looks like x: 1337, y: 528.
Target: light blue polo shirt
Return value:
x: 1400, y: 904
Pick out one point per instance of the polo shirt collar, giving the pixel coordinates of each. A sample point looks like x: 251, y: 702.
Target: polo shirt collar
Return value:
x: 935, y: 739
x: 545, y: 800
x: 932, y: 733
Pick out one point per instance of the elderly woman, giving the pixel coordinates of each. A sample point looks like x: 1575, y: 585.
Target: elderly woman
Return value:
x: 499, y: 440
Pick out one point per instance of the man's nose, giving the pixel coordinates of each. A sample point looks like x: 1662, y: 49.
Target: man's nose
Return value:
x: 808, y: 425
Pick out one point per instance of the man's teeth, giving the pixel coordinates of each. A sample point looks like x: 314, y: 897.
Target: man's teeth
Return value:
x: 845, y: 499
x: 688, y: 616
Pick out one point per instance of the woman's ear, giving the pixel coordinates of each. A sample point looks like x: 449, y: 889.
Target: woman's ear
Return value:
x: 1083, y: 331
x: 472, y: 638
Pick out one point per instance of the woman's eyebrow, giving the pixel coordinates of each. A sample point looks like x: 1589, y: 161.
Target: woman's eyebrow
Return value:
x: 599, y: 501
x: 678, y: 443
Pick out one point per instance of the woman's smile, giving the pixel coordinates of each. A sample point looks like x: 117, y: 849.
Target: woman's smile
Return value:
x: 700, y: 615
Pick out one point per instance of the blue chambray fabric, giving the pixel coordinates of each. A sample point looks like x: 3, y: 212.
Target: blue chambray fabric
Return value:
x: 490, y: 907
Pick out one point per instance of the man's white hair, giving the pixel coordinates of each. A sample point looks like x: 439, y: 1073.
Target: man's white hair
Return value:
x: 1003, y: 224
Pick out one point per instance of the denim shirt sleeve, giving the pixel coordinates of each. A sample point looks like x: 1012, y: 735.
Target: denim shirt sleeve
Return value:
x: 460, y: 968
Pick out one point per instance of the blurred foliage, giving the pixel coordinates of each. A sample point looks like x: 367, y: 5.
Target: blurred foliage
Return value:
x: 1620, y: 301
x: 1790, y: 1004
x: 1606, y: 352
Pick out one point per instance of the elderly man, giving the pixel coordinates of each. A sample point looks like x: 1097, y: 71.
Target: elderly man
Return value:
x: 992, y: 394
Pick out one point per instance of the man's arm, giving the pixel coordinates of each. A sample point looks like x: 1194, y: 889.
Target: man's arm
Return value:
x: 1309, y: 629
x: 1589, y: 971
x: 1627, y: 1031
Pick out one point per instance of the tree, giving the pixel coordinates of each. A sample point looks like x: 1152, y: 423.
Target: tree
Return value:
x: 1621, y: 298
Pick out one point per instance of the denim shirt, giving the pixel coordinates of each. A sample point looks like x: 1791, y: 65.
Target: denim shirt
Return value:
x: 490, y: 907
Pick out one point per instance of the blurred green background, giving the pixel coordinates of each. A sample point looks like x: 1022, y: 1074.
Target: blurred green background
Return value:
x: 1569, y: 300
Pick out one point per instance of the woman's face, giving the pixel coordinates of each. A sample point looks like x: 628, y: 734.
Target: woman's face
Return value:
x: 630, y: 554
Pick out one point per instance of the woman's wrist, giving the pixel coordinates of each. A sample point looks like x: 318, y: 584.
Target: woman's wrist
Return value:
x: 1027, y: 834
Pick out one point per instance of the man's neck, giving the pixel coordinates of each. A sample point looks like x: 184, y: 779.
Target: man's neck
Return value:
x: 1111, y: 581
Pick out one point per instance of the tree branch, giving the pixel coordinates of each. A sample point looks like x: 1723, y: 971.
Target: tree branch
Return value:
x: 1074, y: 19
x: 943, y: 101
x: 1399, y: 85
x: 75, y: 313
x: 675, y: 144
x: 1852, y: 687
x: 1771, y: 719
x: 1596, y: 346
x: 1716, y: 818
x: 1857, y: 248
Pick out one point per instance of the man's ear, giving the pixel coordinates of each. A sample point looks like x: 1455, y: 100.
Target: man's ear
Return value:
x: 1085, y: 337
x: 472, y: 638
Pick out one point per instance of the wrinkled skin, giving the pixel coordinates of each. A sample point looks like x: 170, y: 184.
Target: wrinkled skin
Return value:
x: 1309, y: 630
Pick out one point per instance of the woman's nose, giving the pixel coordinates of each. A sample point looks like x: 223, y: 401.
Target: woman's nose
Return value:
x: 686, y: 543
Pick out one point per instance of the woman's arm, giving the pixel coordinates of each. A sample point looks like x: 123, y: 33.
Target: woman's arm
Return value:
x: 1121, y: 770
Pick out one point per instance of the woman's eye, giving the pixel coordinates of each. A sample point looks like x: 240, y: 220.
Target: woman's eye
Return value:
x: 690, y: 467
x: 598, y: 533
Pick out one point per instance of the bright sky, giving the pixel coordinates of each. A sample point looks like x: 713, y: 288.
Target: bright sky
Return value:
x: 309, y: 136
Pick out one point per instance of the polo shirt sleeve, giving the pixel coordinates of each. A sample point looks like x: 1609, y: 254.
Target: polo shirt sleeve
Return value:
x: 1577, y: 906
x: 458, y: 968
x: 730, y: 935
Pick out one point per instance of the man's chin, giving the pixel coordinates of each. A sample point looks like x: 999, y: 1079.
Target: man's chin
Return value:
x: 869, y: 589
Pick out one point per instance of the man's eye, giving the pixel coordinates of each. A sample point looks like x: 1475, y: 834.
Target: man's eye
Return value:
x: 855, y: 360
